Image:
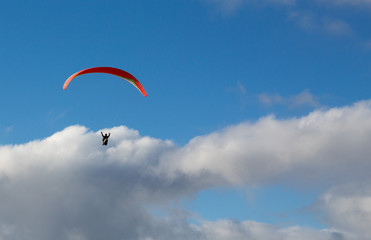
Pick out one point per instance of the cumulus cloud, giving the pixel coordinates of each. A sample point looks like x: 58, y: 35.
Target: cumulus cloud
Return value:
x: 319, y: 147
x: 68, y: 186
x: 348, y: 207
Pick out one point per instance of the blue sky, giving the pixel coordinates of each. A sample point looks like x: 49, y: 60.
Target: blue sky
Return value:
x: 255, y: 109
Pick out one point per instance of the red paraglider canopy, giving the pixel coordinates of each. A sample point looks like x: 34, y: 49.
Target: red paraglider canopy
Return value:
x: 110, y: 70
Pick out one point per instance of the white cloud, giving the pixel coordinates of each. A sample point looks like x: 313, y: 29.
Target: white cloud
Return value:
x: 348, y: 207
x: 68, y: 186
x: 316, y: 149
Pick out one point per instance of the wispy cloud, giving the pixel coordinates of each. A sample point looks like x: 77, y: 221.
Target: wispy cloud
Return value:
x: 336, y: 26
x: 229, y: 6
x: 9, y: 129
x: 270, y: 100
x: 304, y: 98
x: 355, y: 3
x: 53, y: 116
x: 367, y: 45
x: 304, y: 17
x: 239, y: 88
x: 77, y: 189
x: 311, y: 22
x: 226, y: 6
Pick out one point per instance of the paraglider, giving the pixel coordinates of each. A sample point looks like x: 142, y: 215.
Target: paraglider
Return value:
x: 110, y: 70
x: 105, y: 138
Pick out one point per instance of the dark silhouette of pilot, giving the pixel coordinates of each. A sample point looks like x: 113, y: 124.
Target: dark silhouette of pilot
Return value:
x: 105, y: 138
